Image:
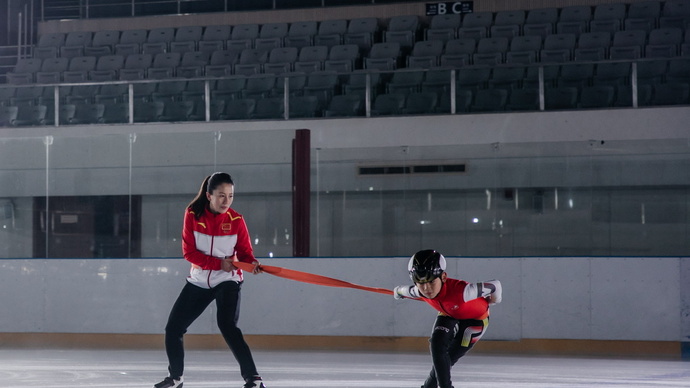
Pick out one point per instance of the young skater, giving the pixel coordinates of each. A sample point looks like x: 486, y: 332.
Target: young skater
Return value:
x: 463, y: 311
x: 213, y: 236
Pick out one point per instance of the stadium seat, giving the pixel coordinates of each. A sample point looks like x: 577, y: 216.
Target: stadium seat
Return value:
x: 303, y: 107
x: 671, y: 94
x: 251, y: 62
x: 540, y: 22
x: 107, y: 68
x: 425, y: 54
x: 558, y: 48
x: 524, y: 49
x: 491, y: 51
x: 651, y: 72
x: 664, y: 42
x: 229, y: 88
x: 443, y: 27
x: 330, y: 33
x: 75, y: 43
x: 523, y: 99
x: 405, y: 82
x: 242, y: 37
x: 643, y: 16
x: 25, y: 70
x: 561, y: 98
x: 388, y: 104
x: 608, y: 18
x: 103, y: 43
x: 271, y: 35
x: 31, y: 115
x: 214, y: 38
x: 342, y: 58
x: 676, y: 14
x: 344, y: 106
x: 301, y: 34
x: 164, y: 65
x: 507, y: 77
x: 458, y: 52
x: 146, y: 112
x: 221, y: 63
x: 600, y: 96
x: 311, y: 58
x: 295, y: 84
x: 472, y: 78
x: 281, y: 60
x: 130, y: 42
x: 322, y: 85
x: 574, y: 19
x: 576, y: 74
x: 186, y: 39
x: 508, y: 24
x: 259, y: 86
x: 361, y: 32
x: 242, y: 109
x: 269, y: 108
x: 383, y: 56
x: 628, y: 44
x: 420, y: 103
x: 593, y: 46
x: 356, y: 83
x: 116, y: 113
x: 404, y: 30
x: 158, y: 41
x: 193, y: 64
x: 616, y: 73
x: 8, y: 115
x: 476, y: 25
x: 490, y: 100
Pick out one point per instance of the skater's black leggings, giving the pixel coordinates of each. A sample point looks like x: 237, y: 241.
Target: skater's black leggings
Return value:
x: 191, y: 303
x: 450, y: 340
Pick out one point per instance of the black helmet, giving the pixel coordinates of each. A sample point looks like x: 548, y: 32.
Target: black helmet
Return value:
x: 426, y: 265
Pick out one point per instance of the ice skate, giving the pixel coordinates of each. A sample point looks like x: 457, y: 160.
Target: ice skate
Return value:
x: 169, y: 382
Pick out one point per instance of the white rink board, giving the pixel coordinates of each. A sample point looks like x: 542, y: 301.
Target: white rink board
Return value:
x: 547, y: 298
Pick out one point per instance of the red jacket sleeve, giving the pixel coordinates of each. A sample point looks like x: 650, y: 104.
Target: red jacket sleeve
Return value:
x: 189, y: 250
x: 243, y: 247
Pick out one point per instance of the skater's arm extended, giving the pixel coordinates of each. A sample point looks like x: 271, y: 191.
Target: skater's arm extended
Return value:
x: 401, y: 292
x: 490, y: 289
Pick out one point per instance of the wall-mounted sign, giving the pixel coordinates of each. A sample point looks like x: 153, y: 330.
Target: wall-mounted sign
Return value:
x: 449, y: 7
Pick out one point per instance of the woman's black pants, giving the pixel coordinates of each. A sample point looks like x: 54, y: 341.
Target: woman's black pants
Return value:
x: 191, y: 303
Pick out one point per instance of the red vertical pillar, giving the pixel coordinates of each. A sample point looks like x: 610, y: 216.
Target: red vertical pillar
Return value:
x: 301, y: 160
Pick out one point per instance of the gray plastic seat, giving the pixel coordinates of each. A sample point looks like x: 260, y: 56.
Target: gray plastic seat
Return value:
x: 443, y: 27
x: 489, y: 100
x: 103, y: 43
x: 242, y: 37
x: 388, y: 104
x: 304, y: 107
x: 269, y: 108
x: 281, y: 60
x: 420, y: 103
x: 330, y: 33
x: 271, y: 35
x: 383, y: 56
x: 8, y: 115
x: 458, y: 52
x: 242, y: 109
x: 311, y: 58
x: 361, y: 32
x: 251, y: 62
x: 540, y: 22
x: 193, y: 64
x: 608, y: 18
x: 342, y: 58
x: 574, y: 19
x: 524, y: 49
x: 643, y: 15
x: 164, y: 65
x: 405, y: 82
x: 664, y: 42
x: 404, y: 30
x: 558, y: 48
x: 344, y: 106
x: 628, y: 44
x: 593, y: 46
x: 490, y: 51
x: 107, y: 68
x: 425, y: 54
x: 130, y: 42
x: 300, y: 34
x: 221, y: 63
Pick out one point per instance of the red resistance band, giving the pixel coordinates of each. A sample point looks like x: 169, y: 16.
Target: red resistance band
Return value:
x: 309, y: 278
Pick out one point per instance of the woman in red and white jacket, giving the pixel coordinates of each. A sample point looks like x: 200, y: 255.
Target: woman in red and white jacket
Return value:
x: 213, y: 236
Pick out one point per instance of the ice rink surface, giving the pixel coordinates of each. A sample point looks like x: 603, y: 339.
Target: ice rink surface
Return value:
x: 51, y: 368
